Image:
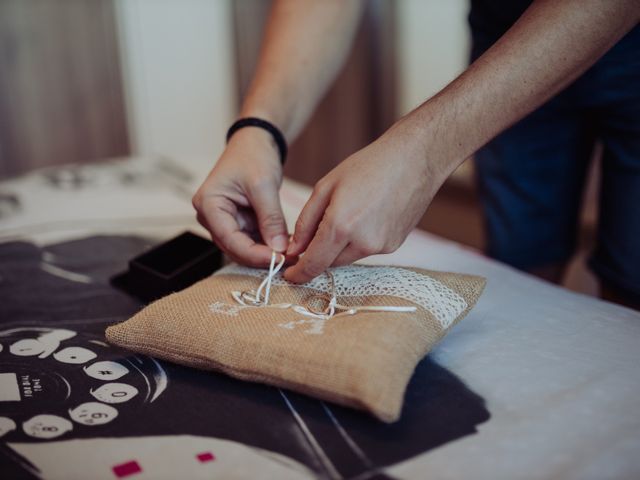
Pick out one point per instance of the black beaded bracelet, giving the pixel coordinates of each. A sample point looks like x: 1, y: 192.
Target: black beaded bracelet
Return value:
x: 268, y: 126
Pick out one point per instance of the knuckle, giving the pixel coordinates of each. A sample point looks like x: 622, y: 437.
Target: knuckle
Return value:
x: 301, y: 229
x: 341, y: 231
x: 394, y: 244
x: 368, y: 247
x: 226, y: 244
x: 301, y: 224
x: 366, y: 250
x: 196, y: 201
x: 311, y: 270
x: 259, y: 183
x: 272, y: 220
x: 390, y: 247
x: 320, y: 187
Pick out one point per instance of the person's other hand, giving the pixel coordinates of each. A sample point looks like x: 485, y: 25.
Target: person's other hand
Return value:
x: 366, y: 205
x: 238, y: 203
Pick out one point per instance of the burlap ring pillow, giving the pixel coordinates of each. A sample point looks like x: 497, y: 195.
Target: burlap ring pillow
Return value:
x: 362, y: 359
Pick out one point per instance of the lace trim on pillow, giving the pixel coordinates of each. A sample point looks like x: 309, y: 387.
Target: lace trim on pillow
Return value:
x: 357, y: 281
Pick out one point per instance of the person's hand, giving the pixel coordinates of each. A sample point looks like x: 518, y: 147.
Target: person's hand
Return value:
x: 238, y: 203
x: 366, y: 205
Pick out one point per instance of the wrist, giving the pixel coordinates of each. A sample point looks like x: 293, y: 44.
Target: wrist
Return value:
x: 274, y: 132
x: 257, y: 141
x: 439, y: 147
x: 276, y: 116
x: 417, y: 142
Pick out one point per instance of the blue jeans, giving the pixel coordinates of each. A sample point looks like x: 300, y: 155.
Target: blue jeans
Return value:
x: 532, y: 176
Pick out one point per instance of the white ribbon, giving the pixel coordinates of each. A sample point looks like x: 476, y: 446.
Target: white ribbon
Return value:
x: 333, y: 309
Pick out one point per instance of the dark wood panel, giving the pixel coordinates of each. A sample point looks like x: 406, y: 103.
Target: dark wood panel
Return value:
x: 61, y: 94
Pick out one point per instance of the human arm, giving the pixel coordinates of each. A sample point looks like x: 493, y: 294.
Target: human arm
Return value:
x: 305, y: 45
x: 371, y: 201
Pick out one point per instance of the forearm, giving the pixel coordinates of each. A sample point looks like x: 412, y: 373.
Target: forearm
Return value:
x: 550, y: 46
x: 305, y: 45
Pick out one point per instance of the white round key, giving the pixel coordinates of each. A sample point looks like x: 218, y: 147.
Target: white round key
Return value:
x: 51, y: 340
x: 93, y: 413
x: 6, y: 425
x: 115, y: 392
x: 106, y: 370
x: 27, y: 347
x: 74, y: 355
x: 47, y: 426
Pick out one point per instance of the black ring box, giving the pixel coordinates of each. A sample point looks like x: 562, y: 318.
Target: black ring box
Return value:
x: 169, y: 267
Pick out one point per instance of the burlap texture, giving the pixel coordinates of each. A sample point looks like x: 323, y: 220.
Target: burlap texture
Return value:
x: 363, y: 361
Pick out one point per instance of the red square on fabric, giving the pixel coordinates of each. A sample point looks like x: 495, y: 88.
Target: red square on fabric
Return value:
x: 205, y: 457
x: 126, y: 469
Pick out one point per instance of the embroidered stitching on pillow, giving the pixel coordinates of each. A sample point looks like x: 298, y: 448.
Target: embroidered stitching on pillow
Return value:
x: 360, y: 351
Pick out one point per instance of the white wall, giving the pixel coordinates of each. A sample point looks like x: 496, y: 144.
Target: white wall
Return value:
x: 177, y: 58
x: 433, y: 47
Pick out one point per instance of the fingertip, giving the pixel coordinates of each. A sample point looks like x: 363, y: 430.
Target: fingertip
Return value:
x: 279, y: 243
x: 297, y: 244
x: 291, y: 260
x: 287, y: 274
x: 292, y: 249
x: 291, y: 276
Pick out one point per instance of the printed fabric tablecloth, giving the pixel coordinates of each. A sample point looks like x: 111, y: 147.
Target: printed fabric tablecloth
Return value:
x: 537, y: 382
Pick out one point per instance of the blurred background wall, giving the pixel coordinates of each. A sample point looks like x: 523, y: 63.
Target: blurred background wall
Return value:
x: 187, y: 65
x: 165, y: 77
x: 85, y: 80
x: 178, y: 71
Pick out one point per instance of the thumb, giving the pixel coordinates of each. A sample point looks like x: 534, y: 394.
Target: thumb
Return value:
x: 266, y: 203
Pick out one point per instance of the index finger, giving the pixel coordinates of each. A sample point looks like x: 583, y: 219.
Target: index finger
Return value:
x: 323, y: 249
x: 225, y: 231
